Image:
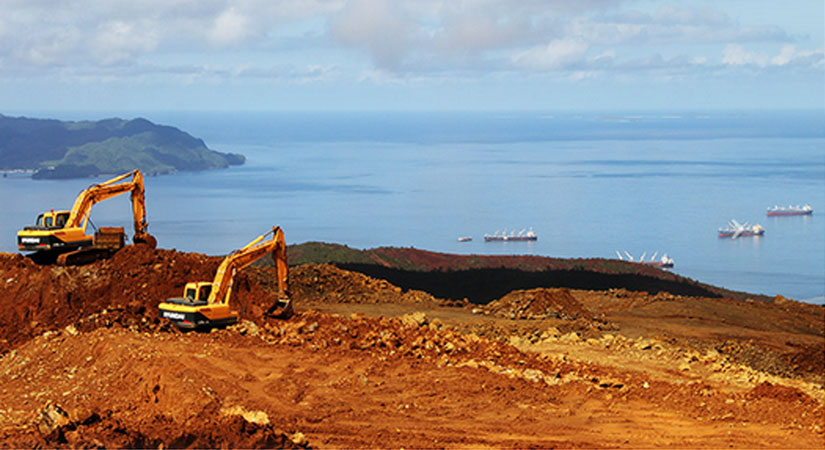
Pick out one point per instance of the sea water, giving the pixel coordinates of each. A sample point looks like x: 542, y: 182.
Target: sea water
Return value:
x: 588, y: 184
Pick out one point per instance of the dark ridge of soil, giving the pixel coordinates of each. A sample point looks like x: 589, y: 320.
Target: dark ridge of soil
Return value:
x: 481, y: 286
x: 623, y: 274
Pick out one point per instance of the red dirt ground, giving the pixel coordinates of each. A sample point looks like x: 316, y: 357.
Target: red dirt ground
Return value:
x: 87, y: 363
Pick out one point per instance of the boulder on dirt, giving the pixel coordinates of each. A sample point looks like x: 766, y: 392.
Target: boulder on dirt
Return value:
x: 415, y: 319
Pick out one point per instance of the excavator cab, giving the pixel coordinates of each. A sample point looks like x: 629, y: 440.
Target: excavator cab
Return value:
x: 197, y: 292
x: 52, y: 220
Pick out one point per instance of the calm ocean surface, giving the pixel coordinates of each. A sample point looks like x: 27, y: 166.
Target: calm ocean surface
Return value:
x: 588, y: 184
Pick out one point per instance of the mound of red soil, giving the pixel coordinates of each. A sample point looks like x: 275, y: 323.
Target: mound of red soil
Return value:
x: 57, y: 428
x: 539, y: 304
x: 326, y: 283
x: 35, y: 298
x: 127, y: 288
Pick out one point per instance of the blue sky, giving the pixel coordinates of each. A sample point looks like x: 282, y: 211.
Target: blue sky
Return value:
x: 132, y: 55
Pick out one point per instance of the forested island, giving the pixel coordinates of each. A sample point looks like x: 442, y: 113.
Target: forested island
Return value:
x: 63, y: 149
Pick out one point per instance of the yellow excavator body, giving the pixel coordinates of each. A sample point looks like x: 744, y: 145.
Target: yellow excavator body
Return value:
x: 62, y: 234
x: 193, y: 309
x: 51, y: 233
x: 206, y: 304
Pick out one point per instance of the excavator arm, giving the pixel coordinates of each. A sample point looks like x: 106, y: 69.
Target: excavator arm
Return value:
x: 222, y: 285
x: 79, y: 215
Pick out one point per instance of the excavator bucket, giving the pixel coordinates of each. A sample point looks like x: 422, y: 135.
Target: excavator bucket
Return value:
x: 146, y: 238
x: 282, y: 309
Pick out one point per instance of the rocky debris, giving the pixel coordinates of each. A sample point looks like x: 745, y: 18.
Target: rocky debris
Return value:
x: 415, y: 319
x: 145, y: 389
x: 105, y: 431
x: 50, y: 418
x: 255, y: 417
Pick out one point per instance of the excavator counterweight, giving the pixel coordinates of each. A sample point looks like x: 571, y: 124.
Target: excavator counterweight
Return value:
x: 61, y: 235
x: 206, y: 304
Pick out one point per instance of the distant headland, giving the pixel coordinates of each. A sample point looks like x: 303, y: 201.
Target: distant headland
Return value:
x: 60, y: 149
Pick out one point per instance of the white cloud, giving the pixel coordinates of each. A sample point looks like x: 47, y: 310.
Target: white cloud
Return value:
x: 735, y: 55
x: 229, y: 27
x: 785, y: 55
x: 557, y: 54
x: 119, y: 41
x: 436, y: 39
x: 380, y: 27
x: 788, y: 56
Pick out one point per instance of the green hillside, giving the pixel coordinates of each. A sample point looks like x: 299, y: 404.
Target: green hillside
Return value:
x: 57, y: 149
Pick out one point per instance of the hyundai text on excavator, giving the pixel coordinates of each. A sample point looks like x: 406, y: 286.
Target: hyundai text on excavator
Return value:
x: 206, y: 304
x: 62, y: 234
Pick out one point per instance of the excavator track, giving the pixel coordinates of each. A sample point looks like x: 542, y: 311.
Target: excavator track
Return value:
x: 83, y: 256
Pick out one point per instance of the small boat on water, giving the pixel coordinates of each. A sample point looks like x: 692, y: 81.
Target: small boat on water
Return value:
x: 465, y: 239
x: 790, y: 210
x: 523, y: 235
x: 735, y: 230
x: 664, y: 262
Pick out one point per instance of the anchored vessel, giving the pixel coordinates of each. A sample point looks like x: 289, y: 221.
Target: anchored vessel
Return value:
x: 735, y: 230
x: 664, y: 262
x: 503, y: 236
x: 790, y: 210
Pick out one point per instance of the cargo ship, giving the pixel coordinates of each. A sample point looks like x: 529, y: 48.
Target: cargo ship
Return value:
x: 503, y: 236
x: 735, y: 230
x: 791, y: 211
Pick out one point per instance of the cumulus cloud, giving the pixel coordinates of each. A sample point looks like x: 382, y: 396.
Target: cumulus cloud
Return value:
x: 788, y: 56
x: 118, y: 41
x: 558, y: 54
x: 404, y: 39
x: 670, y: 24
x: 122, y: 31
x: 229, y: 27
x: 735, y: 55
x: 380, y: 27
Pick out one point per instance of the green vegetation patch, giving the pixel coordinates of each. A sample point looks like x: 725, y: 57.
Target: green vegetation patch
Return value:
x: 59, y: 149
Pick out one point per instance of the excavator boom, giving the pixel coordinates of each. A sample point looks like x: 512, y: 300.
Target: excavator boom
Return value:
x: 79, y: 216
x: 222, y: 285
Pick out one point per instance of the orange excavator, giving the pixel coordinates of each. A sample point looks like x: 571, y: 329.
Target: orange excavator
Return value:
x: 206, y: 304
x: 61, y: 235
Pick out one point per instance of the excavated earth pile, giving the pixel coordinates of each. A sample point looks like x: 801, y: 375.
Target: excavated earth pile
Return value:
x: 539, y: 304
x: 87, y: 363
x: 326, y: 283
x: 39, y: 298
